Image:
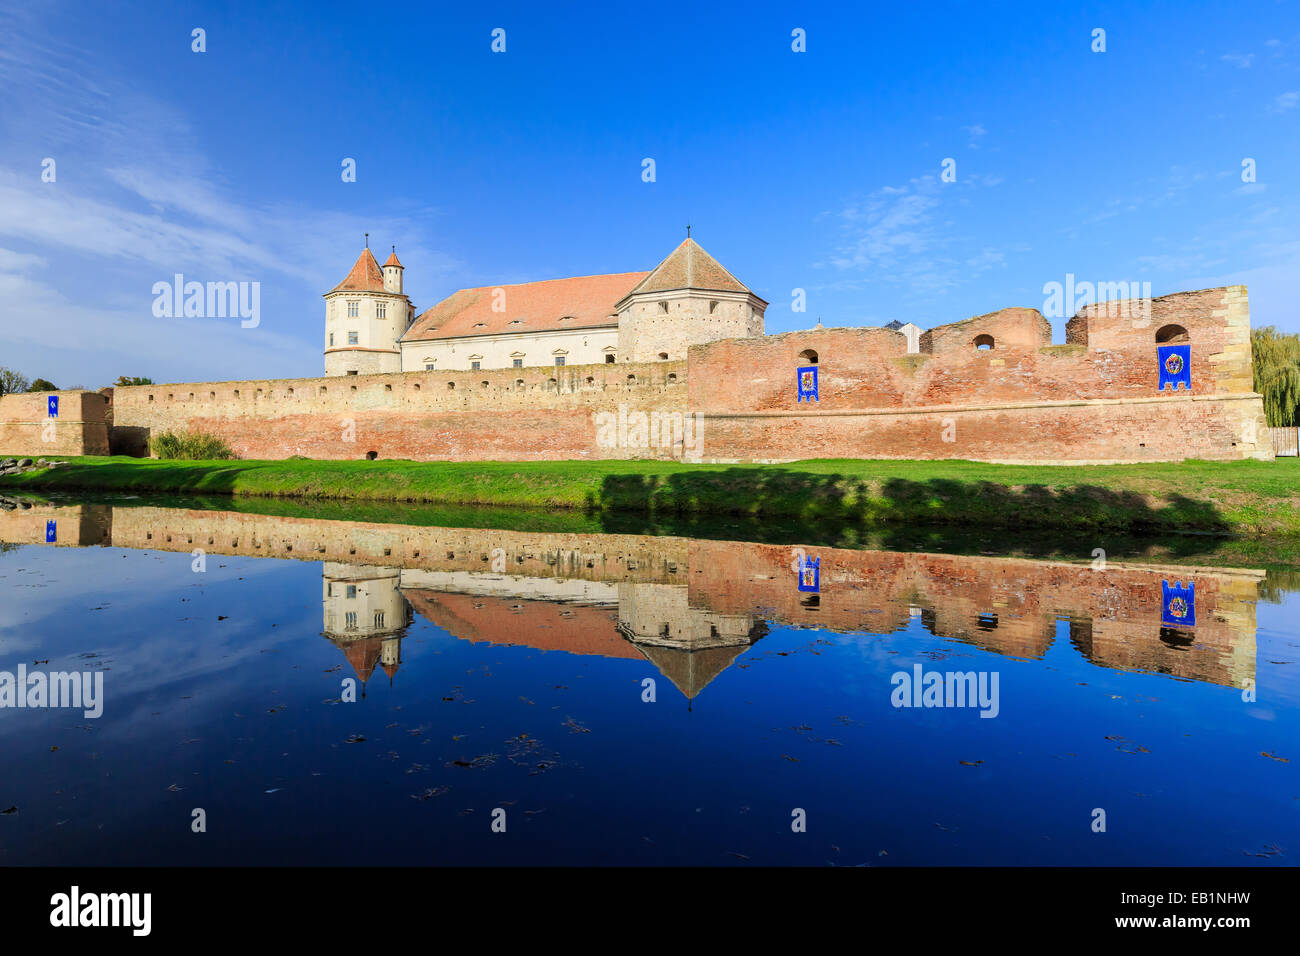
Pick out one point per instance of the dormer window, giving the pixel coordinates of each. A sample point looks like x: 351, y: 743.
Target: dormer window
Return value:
x: 516, y: 321
x: 567, y: 318
x: 479, y: 325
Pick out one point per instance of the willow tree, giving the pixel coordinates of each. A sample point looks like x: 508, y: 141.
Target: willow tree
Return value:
x: 1277, y: 374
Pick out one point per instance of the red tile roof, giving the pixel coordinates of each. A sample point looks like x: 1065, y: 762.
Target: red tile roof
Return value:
x: 392, y: 260
x: 364, y: 277
x: 587, y: 301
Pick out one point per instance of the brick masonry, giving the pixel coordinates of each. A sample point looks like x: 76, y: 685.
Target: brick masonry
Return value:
x: 1094, y: 399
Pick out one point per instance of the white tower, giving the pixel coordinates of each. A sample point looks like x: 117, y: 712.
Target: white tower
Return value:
x: 365, y: 315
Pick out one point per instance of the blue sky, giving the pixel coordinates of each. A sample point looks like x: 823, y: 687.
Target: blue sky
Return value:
x: 817, y: 170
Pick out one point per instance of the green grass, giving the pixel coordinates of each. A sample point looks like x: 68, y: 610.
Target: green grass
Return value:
x: 1244, y: 497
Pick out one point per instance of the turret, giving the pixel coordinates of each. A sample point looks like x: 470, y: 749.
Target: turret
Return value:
x: 393, y: 273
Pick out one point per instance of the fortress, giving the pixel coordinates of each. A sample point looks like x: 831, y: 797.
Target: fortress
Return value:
x: 675, y: 363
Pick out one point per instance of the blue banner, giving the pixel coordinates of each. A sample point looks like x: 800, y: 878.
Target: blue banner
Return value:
x: 51, y: 532
x: 806, y: 383
x: 1178, y: 608
x: 810, y: 574
x: 53, y: 403
x: 1175, y: 366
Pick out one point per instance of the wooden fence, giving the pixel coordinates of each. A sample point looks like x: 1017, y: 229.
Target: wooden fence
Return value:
x: 1286, y: 442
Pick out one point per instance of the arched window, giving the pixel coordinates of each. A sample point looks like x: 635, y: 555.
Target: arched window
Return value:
x: 808, y: 357
x: 1171, y: 333
x: 983, y: 343
x: 663, y: 356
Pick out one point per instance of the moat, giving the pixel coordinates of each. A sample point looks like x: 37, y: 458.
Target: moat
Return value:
x: 328, y: 690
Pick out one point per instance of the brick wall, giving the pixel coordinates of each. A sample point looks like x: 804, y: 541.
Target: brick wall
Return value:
x: 81, y: 428
x: 1094, y: 399
x: 507, y: 414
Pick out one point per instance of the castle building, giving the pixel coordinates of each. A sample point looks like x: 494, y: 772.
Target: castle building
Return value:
x: 687, y: 299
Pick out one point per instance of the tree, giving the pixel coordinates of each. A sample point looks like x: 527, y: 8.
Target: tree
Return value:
x: 1276, y: 359
x: 42, y: 385
x: 125, y: 380
x: 11, y: 381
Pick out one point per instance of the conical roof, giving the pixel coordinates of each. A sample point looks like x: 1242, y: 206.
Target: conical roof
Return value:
x: 364, y: 277
x: 392, y: 260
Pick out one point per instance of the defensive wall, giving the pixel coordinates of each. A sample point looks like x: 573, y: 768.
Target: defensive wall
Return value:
x: 990, y: 388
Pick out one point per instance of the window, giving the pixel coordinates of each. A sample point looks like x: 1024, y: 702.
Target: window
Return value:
x: 331, y: 339
x: 609, y: 359
x: 713, y: 305
x: 808, y: 356
x: 352, y: 338
x: 428, y: 366
x: 381, y: 310
x: 351, y: 371
x: 1172, y: 333
x: 354, y: 308
x: 663, y: 306
x: 517, y: 363
x: 352, y: 590
x: 350, y: 620
x: 663, y: 356
x: 983, y: 343
x: 379, y: 619
x: 559, y: 360
x: 475, y: 366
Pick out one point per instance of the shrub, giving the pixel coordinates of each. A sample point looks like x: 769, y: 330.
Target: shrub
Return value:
x: 192, y: 446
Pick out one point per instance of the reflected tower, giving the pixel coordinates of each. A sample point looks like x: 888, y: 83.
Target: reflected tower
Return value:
x: 365, y: 616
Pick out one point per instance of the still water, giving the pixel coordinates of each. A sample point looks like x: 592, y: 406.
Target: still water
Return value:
x: 630, y: 699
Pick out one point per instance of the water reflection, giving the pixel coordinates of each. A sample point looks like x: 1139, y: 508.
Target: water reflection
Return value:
x: 691, y: 607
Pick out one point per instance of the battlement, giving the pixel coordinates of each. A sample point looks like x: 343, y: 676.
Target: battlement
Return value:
x: 1138, y: 380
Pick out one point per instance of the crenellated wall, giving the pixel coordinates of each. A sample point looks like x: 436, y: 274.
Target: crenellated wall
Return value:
x: 989, y: 388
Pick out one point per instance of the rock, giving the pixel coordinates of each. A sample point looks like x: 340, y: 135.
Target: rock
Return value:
x: 24, y: 463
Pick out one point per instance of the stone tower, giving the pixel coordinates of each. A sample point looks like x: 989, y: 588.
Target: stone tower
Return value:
x: 365, y: 315
x: 688, y: 299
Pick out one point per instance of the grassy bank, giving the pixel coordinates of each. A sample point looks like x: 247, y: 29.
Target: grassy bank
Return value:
x: 1246, y: 497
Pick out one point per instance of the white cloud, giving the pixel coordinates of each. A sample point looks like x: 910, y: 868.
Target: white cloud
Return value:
x: 1286, y: 102
x: 1240, y: 60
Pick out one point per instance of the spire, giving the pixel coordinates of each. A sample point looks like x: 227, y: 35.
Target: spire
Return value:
x: 392, y: 260
x: 365, y: 275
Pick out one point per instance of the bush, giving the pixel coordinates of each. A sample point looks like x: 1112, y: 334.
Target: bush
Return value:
x: 192, y: 446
